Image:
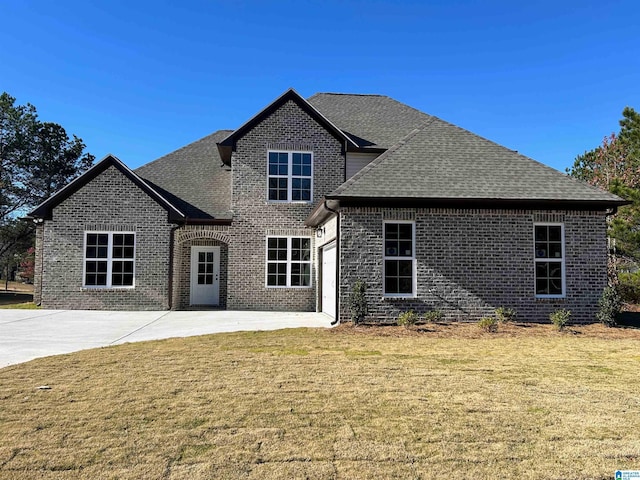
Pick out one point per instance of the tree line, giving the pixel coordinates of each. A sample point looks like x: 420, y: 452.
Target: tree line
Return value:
x: 37, y: 158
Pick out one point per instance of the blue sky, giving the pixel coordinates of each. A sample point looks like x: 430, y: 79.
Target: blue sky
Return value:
x: 140, y: 79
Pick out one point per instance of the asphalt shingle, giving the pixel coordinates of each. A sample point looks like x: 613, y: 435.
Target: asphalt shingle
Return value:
x: 193, y: 178
x: 433, y: 159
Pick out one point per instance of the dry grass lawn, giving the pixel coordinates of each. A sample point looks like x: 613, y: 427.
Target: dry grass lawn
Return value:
x: 349, y: 403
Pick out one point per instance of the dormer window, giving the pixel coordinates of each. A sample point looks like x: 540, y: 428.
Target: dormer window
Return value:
x: 290, y: 176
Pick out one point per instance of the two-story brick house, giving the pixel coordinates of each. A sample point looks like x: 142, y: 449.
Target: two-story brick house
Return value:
x: 290, y: 209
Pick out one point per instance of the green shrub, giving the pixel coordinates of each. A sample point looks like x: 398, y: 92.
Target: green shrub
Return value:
x: 505, y: 314
x: 488, y: 324
x: 609, y: 306
x: 407, y: 319
x: 560, y: 318
x: 433, y: 316
x: 629, y: 286
x: 358, y: 302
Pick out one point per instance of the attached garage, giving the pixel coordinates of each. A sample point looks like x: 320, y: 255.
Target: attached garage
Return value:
x: 328, y: 273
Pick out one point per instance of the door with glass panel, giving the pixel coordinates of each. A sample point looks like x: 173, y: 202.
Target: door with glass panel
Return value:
x: 205, y: 276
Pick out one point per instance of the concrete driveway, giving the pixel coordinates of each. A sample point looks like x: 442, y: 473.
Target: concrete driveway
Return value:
x: 28, y: 334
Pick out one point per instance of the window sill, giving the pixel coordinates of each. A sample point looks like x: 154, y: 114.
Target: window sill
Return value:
x: 550, y: 297
x: 399, y: 297
x: 106, y: 289
x: 280, y: 287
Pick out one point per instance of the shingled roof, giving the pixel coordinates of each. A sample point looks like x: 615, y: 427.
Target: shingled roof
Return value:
x: 194, y: 179
x: 373, y: 121
x: 427, y: 158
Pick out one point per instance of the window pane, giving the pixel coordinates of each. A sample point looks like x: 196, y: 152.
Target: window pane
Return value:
x: 405, y: 285
x: 391, y: 285
x: 404, y: 231
x: 405, y: 249
x: 541, y: 269
x: 103, y: 239
x: 391, y: 230
x: 391, y: 268
x: 555, y: 250
x: 542, y: 287
x: 541, y: 233
x: 555, y: 233
x: 555, y: 287
x: 541, y: 250
x: 405, y: 268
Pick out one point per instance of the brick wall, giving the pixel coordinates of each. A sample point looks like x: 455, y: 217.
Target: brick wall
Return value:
x: 471, y: 261
x: 288, y: 128
x: 110, y: 202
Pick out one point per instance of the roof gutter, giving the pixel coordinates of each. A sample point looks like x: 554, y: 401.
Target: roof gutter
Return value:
x: 322, y: 212
x: 475, y: 203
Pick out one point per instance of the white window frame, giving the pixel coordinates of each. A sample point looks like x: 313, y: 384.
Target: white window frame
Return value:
x: 289, y: 261
x: 385, y: 257
x: 109, y: 259
x: 561, y: 261
x: 290, y: 176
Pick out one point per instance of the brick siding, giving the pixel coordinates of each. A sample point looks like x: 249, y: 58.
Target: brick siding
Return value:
x: 109, y: 202
x: 470, y: 262
x: 288, y: 128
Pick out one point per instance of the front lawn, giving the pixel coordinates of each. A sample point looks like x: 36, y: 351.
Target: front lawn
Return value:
x: 348, y: 403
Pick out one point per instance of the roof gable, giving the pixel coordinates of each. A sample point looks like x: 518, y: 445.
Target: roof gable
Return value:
x: 227, y: 145
x: 45, y: 208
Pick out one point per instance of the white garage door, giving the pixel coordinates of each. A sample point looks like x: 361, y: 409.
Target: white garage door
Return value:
x: 329, y: 280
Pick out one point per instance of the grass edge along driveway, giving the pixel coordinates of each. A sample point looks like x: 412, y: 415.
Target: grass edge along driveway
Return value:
x: 447, y: 402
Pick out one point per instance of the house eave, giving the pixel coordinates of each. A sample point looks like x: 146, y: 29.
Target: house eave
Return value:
x: 473, y: 203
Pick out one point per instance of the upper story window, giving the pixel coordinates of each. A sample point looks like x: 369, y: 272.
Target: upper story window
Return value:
x: 549, y: 260
x: 399, y: 259
x: 109, y: 259
x: 290, y: 176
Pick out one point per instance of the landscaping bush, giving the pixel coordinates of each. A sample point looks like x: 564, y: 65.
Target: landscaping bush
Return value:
x: 609, y: 306
x: 629, y: 286
x: 433, y: 316
x: 488, y: 324
x: 358, y: 302
x: 505, y: 314
x: 560, y: 318
x: 408, y: 319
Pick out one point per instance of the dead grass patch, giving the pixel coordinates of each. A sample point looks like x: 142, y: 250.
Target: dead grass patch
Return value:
x: 449, y: 401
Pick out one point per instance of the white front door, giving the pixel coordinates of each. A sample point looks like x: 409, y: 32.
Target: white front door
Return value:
x: 329, y: 280
x: 205, y: 275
